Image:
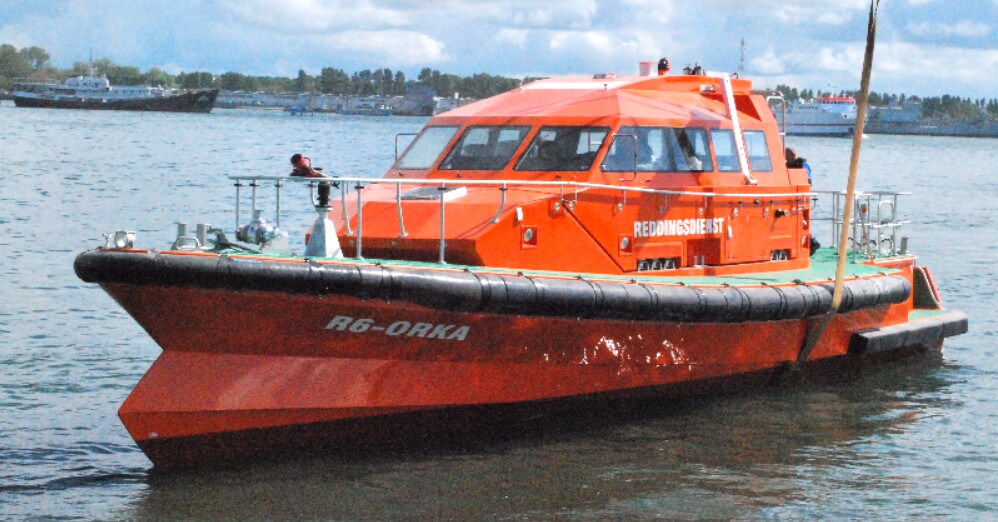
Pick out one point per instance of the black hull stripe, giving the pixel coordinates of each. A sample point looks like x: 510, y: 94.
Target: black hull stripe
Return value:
x: 462, y: 291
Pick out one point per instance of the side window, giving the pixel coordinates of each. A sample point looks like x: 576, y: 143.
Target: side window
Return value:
x: 692, y: 153
x: 687, y: 150
x: 628, y: 151
x: 724, y: 150
x: 509, y: 139
x: 758, y: 151
x: 563, y: 149
x: 426, y: 148
x: 658, y: 156
x: 659, y: 149
x: 484, y: 148
x: 590, y: 140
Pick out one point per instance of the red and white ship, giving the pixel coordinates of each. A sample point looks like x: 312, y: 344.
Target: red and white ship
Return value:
x: 825, y: 116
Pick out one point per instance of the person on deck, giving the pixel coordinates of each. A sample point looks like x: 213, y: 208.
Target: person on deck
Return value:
x: 301, y: 167
x: 796, y: 162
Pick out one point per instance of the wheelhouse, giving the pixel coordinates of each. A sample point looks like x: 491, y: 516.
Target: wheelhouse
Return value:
x: 602, y: 175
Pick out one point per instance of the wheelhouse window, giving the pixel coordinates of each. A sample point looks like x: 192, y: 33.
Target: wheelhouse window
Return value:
x: 758, y: 151
x: 725, y: 150
x: 563, y: 149
x: 659, y: 149
x: 484, y: 148
x: 426, y: 148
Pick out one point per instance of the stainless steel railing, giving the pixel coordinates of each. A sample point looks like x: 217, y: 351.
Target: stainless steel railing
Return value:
x: 568, y: 192
x: 875, y: 224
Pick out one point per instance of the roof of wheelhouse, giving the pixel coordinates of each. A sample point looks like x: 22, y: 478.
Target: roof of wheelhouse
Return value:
x: 663, y: 100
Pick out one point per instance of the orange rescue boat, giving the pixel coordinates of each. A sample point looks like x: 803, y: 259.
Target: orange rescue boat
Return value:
x: 572, y: 241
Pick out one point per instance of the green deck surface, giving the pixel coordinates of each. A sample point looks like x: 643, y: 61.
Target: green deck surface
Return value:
x: 822, y: 269
x: 922, y: 313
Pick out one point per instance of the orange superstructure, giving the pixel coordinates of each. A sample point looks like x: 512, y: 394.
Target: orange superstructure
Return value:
x: 572, y: 240
x: 716, y: 219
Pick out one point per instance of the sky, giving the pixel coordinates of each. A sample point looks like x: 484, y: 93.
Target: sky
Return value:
x: 924, y: 47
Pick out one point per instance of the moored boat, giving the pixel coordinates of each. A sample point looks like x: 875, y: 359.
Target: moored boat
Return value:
x: 573, y: 241
x: 96, y: 93
x: 367, y: 109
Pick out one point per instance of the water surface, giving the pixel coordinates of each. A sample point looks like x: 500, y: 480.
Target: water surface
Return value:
x: 910, y: 442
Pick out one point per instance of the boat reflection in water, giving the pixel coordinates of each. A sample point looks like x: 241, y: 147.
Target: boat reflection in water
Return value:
x: 573, y: 243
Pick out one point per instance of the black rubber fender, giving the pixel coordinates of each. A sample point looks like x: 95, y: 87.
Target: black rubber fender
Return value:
x: 466, y: 291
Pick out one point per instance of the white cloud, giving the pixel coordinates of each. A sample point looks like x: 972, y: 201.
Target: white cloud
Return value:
x: 554, y: 14
x: 949, y: 64
x: 315, y: 15
x: 397, y: 47
x: 828, y: 12
x: 898, y: 67
x: 17, y: 38
x: 844, y: 59
x: 516, y: 37
x: 966, y: 28
x: 582, y: 42
x: 827, y: 59
x: 768, y: 63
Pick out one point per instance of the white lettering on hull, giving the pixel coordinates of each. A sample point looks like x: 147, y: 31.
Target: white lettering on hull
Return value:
x: 447, y: 332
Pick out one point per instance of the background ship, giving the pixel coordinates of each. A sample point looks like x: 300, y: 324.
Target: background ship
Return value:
x: 909, y: 119
x: 96, y: 92
x: 826, y: 116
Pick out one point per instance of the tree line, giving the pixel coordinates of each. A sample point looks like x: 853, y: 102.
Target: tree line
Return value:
x: 35, y: 63
x: 941, y: 107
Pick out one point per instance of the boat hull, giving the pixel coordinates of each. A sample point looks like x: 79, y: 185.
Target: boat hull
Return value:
x: 194, y: 101
x: 294, y: 360
x: 823, y: 131
x: 224, y: 432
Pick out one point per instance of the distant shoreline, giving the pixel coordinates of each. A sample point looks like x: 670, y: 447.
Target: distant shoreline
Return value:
x: 926, y: 127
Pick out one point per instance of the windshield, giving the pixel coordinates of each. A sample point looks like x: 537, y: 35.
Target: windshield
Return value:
x: 426, y: 148
x: 659, y: 149
x: 484, y: 148
x: 563, y: 149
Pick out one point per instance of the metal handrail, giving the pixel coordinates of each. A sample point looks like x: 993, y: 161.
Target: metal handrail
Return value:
x: 868, y: 232
x: 782, y: 120
x: 443, y: 185
x: 533, y: 184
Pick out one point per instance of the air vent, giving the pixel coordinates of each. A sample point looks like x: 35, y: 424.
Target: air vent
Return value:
x: 661, y: 263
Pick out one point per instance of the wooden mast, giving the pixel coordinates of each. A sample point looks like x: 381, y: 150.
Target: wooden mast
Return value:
x: 814, y: 334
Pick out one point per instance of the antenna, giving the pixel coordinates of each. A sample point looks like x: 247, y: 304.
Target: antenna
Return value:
x: 741, y: 61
